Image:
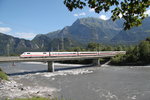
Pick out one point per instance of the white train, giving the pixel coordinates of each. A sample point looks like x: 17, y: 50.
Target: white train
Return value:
x: 55, y: 54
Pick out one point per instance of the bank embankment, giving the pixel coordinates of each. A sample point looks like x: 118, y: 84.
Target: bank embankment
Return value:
x: 3, y: 76
x: 10, y: 89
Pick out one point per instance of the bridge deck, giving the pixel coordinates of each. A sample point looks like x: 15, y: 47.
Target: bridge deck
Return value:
x: 18, y: 59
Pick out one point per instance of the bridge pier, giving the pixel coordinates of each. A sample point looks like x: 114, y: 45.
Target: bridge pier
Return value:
x: 51, y: 67
x: 96, y: 62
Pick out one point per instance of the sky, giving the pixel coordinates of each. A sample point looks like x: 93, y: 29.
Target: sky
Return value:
x: 27, y: 18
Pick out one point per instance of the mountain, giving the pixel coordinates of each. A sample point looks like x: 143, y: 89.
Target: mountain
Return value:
x: 91, y: 29
x: 54, y: 44
x: 12, y: 45
x: 41, y: 41
x: 134, y: 35
x: 80, y: 33
x: 87, y: 30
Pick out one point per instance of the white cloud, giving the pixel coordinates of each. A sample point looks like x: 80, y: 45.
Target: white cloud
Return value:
x: 80, y: 14
x: 103, y: 17
x: 25, y: 35
x: 148, y: 12
x: 91, y: 10
x: 76, y: 15
x: 5, y: 29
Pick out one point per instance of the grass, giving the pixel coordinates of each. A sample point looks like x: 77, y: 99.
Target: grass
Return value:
x: 3, y: 75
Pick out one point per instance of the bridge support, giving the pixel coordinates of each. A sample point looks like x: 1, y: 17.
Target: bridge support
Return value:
x: 51, y: 66
x: 96, y: 62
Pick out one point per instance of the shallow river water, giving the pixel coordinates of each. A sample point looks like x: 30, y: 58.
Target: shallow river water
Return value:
x: 85, y: 83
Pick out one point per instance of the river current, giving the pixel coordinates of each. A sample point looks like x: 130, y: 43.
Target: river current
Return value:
x: 83, y: 83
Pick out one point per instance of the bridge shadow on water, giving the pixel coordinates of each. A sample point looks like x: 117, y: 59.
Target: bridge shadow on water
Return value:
x: 43, y: 71
x: 26, y: 72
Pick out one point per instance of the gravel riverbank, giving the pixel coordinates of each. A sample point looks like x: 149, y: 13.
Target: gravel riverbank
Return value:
x: 11, y: 89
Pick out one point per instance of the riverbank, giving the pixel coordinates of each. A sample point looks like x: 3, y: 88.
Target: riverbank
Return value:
x: 3, y: 75
x: 11, y: 89
x: 137, y: 56
x: 123, y: 60
x: 35, y: 98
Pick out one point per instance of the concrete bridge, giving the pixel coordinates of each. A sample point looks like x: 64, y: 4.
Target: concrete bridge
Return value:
x: 51, y: 60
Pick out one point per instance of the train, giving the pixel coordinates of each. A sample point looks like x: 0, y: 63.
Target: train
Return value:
x: 57, y: 54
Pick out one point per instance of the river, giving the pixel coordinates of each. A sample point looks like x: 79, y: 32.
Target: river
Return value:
x: 85, y: 83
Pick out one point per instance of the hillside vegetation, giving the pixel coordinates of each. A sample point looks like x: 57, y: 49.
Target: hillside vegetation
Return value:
x: 138, y: 55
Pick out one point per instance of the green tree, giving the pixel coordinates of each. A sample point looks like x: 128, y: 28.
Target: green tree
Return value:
x: 119, y: 48
x: 76, y: 49
x: 94, y: 46
x: 139, y: 54
x: 148, y: 39
x: 132, y: 11
x: 91, y: 46
x: 108, y: 48
x: 133, y: 55
x: 144, y: 50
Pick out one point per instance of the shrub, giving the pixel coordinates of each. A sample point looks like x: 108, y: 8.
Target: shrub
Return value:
x: 117, y: 59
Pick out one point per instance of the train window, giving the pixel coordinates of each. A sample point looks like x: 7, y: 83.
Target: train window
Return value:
x: 28, y: 53
x: 44, y: 53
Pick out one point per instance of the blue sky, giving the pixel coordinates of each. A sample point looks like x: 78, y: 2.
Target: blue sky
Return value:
x: 27, y: 18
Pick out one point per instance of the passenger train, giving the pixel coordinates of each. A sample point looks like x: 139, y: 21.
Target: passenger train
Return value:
x: 55, y: 54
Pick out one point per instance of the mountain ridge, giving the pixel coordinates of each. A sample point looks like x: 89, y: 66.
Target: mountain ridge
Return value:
x: 10, y: 44
x: 80, y: 33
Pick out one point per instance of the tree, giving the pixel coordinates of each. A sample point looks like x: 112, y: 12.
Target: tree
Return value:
x: 77, y: 49
x: 132, y: 11
x: 144, y: 50
x: 93, y: 46
x: 148, y: 39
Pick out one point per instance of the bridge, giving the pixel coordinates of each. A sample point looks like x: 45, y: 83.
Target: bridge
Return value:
x: 51, y: 60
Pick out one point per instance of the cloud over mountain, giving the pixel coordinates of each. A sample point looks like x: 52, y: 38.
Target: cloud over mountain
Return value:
x: 5, y: 29
x: 103, y: 17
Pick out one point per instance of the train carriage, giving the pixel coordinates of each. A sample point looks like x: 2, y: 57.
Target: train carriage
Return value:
x: 63, y: 53
x: 55, y: 54
x: 35, y: 54
x: 89, y: 53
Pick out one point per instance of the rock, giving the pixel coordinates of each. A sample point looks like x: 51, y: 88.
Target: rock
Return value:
x: 22, y: 89
x: 49, y: 95
x: 38, y: 92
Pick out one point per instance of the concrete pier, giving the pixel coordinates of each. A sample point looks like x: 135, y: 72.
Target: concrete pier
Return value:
x: 96, y: 62
x: 51, y: 66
